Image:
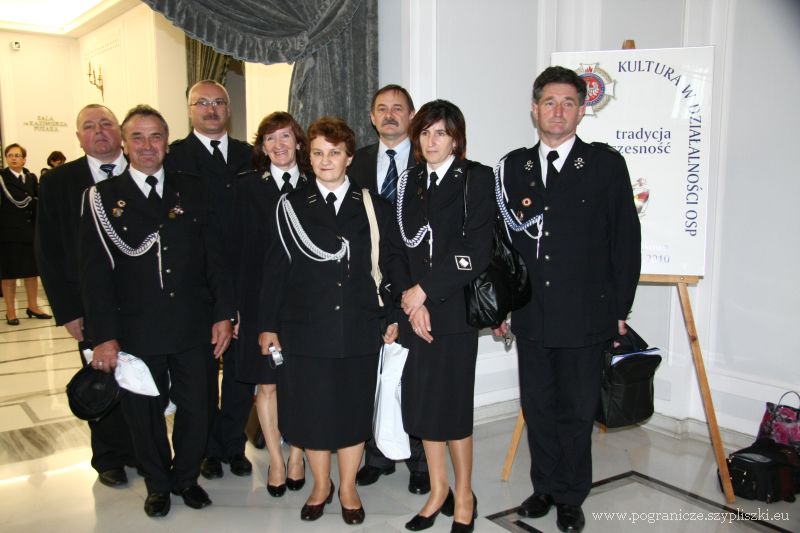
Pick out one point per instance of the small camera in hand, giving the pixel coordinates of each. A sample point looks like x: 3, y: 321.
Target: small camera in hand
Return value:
x: 276, y: 357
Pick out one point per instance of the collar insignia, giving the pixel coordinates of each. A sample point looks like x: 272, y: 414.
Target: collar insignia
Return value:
x: 528, y: 164
x: 579, y: 162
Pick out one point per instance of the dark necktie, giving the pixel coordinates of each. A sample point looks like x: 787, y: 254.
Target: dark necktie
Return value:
x: 217, y: 153
x: 153, y: 199
x: 330, y: 200
x: 389, y: 188
x: 432, y: 187
x: 287, y: 183
x: 552, y: 174
x: 108, y: 168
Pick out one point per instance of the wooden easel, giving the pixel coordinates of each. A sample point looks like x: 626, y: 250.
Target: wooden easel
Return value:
x: 681, y: 282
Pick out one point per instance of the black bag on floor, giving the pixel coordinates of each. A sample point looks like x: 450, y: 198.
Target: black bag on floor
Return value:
x: 766, y: 471
x: 626, y: 390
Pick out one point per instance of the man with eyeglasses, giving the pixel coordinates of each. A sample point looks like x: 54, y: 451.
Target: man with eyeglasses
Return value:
x: 209, y: 151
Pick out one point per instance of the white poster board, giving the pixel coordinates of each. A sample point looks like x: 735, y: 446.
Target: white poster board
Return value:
x: 654, y: 107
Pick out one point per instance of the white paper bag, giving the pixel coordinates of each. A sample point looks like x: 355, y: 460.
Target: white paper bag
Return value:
x: 390, y: 437
x: 131, y: 373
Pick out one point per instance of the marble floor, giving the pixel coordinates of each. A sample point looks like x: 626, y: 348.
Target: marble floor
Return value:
x: 644, y: 481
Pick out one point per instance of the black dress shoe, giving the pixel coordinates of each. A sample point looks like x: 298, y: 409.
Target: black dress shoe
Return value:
x: 240, y: 465
x: 40, y: 316
x: 12, y: 321
x: 211, y: 468
x: 115, y: 477
x: 193, y: 496
x: 297, y: 484
x: 311, y: 512
x: 419, y: 483
x: 569, y: 518
x: 419, y: 522
x: 157, y: 504
x: 276, y: 491
x: 536, y: 506
x: 458, y: 527
x: 368, y: 475
x: 352, y: 516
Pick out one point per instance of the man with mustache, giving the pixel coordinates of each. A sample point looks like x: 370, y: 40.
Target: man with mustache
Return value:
x: 209, y: 151
x: 56, y: 246
x: 377, y: 167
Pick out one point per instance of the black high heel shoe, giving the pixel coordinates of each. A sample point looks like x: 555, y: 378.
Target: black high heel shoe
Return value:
x: 12, y: 321
x: 311, y: 512
x: 276, y: 491
x: 40, y: 316
x: 458, y: 527
x: 296, y: 484
x: 419, y: 522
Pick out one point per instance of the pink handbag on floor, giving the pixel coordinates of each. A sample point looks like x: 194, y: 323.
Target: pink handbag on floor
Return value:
x: 781, y: 423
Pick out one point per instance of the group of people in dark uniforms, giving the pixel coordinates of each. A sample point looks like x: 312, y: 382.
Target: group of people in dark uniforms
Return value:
x: 295, y: 259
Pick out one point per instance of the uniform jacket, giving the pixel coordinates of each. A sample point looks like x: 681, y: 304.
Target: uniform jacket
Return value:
x: 585, y: 275
x: 441, y: 276
x: 191, y: 156
x: 56, y: 244
x: 365, y: 164
x: 17, y: 224
x: 256, y: 197
x: 325, y: 309
x: 126, y: 302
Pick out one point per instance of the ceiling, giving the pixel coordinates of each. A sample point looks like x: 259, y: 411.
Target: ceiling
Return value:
x: 59, y: 17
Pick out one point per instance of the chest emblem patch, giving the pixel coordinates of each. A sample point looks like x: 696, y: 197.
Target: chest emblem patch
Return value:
x: 463, y: 262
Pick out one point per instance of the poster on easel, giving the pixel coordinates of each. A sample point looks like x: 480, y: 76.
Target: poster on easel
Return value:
x: 654, y: 106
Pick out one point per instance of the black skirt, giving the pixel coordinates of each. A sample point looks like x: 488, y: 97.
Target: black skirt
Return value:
x: 17, y: 260
x: 251, y: 366
x: 326, y: 403
x: 439, y: 387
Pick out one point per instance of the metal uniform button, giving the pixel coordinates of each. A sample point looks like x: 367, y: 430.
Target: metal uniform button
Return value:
x: 161, y: 225
x: 168, y: 271
x: 337, y: 307
x: 338, y: 283
x: 338, y: 260
x: 227, y: 185
x: 165, y: 248
x: 546, y: 283
x: 547, y: 208
x: 172, y: 295
x: 546, y: 233
x: 547, y: 258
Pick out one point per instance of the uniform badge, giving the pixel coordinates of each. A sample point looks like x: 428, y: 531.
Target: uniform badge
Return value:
x: 117, y: 212
x: 177, y: 210
x: 463, y: 262
x: 520, y: 215
x: 526, y: 202
x: 266, y: 175
x: 120, y: 203
x: 528, y: 165
x: 579, y: 162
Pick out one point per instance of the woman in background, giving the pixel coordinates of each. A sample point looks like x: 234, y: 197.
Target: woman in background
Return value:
x: 55, y: 159
x: 321, y: 310
x: 17, y: 221
x: 280, y: 157
x: 439, y: 250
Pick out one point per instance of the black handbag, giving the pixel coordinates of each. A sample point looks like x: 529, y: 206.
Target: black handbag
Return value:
x: 504, y: 285
x: 626, y: 389
x: 766, y: 471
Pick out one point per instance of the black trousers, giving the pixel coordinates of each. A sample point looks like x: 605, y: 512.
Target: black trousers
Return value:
x: 112, y: 446
x: 180, y: 377
x: 415, y: 463
x: 228, y: 418
x: 559, y: 391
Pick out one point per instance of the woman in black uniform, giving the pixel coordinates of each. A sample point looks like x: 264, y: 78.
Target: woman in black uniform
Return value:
x: 18, y: 191
x: 435, y: 253
x: 280, y: 157
x: 320, y: 308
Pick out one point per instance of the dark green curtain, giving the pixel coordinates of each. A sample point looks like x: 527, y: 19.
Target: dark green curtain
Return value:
x: 204, y: 63
x: 332, y: 43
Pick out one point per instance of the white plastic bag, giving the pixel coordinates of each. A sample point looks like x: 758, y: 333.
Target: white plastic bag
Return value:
x: 390, y: 437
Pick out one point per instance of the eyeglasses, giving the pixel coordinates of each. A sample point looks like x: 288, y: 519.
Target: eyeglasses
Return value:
x: 211, y: 103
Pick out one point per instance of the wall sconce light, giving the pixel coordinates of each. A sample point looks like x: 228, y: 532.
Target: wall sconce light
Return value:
x: 96, y: 79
